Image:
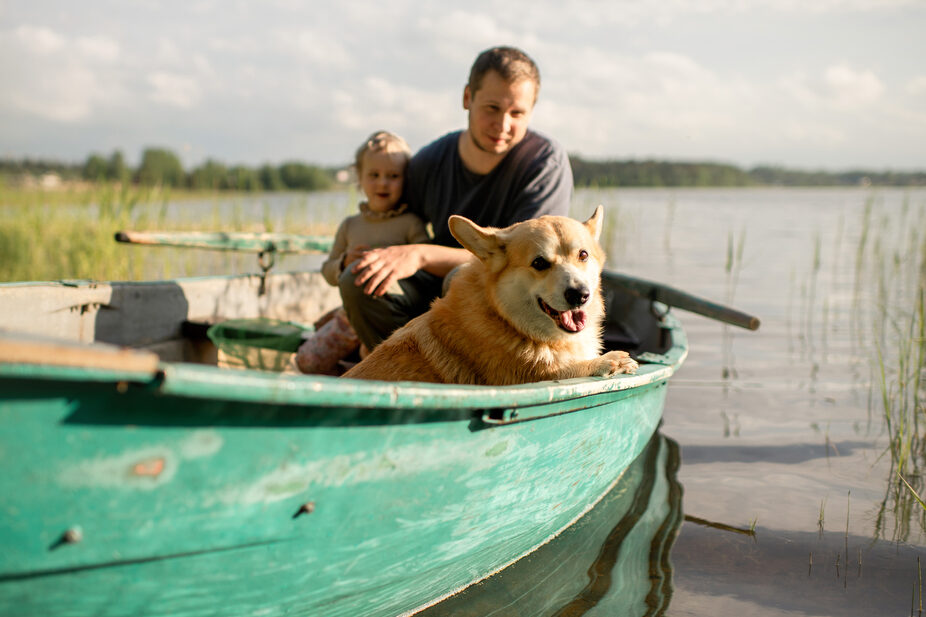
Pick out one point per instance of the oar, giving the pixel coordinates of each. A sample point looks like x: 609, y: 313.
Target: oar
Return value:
x: 230, y: 241
x: 681, y: 300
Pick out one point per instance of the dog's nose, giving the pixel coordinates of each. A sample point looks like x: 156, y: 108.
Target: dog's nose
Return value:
x: 576, y: 296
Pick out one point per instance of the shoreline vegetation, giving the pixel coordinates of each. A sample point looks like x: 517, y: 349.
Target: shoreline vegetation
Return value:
x: 67, y: 233
x: 57, y: 220
x: 162, y: 167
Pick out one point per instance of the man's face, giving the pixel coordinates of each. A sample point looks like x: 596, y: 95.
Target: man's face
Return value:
x: 499, y: 112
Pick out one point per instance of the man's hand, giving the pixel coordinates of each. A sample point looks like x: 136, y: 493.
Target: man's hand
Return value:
x: 378, y: 269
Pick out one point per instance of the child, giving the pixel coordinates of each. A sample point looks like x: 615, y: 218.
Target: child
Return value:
x: 380, y: 163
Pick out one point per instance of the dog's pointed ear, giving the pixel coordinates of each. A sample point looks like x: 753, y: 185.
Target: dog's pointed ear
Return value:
x: 479, y: 241
x: 594, y: 223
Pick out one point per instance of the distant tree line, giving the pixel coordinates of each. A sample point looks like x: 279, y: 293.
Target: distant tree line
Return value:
x: 677, y: 174
x: 789, y: 177
x: 160, y: 166
x: 655, y: 173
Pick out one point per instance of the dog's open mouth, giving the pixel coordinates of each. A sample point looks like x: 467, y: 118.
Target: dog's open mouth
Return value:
x: 570, y: 321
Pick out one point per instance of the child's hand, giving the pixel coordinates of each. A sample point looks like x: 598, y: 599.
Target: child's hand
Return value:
x: 353, y: 255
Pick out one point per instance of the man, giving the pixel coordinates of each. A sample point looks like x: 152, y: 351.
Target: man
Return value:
x: 496, y: 172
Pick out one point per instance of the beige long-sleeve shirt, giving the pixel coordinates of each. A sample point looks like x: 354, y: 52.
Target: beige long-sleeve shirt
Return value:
x: 373, y: 229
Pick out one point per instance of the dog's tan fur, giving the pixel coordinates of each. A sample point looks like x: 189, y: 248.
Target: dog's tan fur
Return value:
x: 490, y: 328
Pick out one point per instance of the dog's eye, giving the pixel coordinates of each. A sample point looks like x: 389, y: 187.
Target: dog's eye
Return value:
x: 540, y: 264
x: 583, y: 255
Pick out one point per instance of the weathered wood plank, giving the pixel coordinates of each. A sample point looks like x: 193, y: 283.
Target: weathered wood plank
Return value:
x: 26, y: 349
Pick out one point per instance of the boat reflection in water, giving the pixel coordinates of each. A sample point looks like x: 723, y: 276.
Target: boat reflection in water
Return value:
x: 614, y: 561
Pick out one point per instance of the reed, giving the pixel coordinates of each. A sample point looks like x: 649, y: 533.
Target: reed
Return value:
x: 732, y: 268
x: 820, y: 518
x: 891, y: 274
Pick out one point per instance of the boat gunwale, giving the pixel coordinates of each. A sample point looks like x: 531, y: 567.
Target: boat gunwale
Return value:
x: 188, y: 380
x: 197, y: 381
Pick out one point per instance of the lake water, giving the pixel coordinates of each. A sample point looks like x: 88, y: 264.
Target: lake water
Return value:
x: 784, y: 428
x: 787, y: 498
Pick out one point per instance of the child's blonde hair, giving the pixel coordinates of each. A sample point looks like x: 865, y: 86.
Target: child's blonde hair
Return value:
x: 382, y: 141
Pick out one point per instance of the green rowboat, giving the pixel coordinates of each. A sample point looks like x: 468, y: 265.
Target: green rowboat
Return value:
x: 141, y: 479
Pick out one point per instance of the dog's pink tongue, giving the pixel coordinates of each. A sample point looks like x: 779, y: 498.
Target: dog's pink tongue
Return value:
x: 573, y: 321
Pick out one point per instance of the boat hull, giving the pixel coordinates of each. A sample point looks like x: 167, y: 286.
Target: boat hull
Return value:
x: 173, y: 488
x: 186, y: 507
x: 612, y: 561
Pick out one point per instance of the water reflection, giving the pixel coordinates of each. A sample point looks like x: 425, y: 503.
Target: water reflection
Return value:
x: 781, y: 572
x: 613, y: 561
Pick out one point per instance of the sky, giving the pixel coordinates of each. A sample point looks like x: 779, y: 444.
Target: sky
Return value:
x: 811, y: 84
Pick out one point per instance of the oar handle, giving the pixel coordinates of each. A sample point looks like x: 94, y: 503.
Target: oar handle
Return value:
x: 681, y: 300
x: 229, y: 241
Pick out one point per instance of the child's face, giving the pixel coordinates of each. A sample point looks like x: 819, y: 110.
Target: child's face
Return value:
x: 381, y: 176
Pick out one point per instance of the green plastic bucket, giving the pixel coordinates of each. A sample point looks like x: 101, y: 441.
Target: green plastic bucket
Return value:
x: 259, y: 343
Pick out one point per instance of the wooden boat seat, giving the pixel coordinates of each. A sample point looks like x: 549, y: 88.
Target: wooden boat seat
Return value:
x: 17, y: 348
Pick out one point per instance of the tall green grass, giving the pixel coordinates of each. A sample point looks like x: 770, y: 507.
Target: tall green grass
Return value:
x: 70, y: 234
x: 50, y: 235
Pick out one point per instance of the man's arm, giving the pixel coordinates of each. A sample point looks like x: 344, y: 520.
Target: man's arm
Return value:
x: 380, y: 268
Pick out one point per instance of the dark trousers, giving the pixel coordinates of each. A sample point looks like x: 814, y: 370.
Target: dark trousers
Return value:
x: 374, y: 319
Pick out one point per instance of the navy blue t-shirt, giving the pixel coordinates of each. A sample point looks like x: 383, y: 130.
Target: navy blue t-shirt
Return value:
x: 533, y: 179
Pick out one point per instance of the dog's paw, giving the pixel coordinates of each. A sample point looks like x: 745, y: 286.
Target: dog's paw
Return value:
x: 615, y: 362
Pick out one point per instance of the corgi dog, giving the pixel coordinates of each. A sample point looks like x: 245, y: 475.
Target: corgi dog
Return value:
x: 527, y: 307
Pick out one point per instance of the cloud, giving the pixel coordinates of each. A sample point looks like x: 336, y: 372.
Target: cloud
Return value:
x: 58, y: 78
x: 317, y: 47
x: 719, y: 79
x: 99, y: 48
x: 67, y: 97
x: 849, y: 88
x: 916, y: 86
x: 175, y: 90
x: 839, y: 87
x: 416, y: 114
x: 600, y: 103
x: 39, y: 40
x: 456, y: 35
x: 168, y: 52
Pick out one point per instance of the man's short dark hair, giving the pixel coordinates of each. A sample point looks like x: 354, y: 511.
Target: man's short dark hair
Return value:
x: 510, y: 63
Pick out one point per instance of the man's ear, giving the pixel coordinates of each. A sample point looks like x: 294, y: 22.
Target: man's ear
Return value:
x: 480, y: 241
x: 594, y: 223
x: 467, y: 97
